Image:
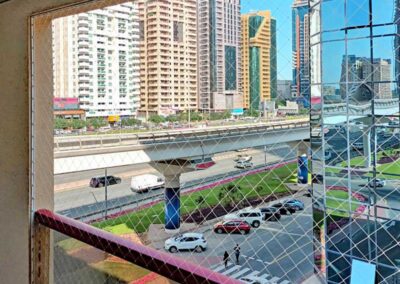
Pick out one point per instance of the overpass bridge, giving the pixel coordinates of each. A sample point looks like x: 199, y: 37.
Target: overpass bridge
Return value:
x: 80, y: 153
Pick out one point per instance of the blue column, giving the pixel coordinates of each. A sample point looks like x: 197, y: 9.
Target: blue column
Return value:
x: 172, y: 208
x: 302, y: 169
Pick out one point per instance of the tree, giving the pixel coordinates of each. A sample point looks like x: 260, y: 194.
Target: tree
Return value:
x: 231, y: 195
x: 60, y: 123
x: 130, y: 122
x: 96, y: 122
x: 251, y: 112
x: 77, y: 123
x: 172, y: 118
x: 155, y: 118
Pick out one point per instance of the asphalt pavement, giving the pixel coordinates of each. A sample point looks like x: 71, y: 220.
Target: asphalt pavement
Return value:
x: 280, y: 251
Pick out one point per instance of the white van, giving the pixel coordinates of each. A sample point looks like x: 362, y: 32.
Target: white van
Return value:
x: 144, y: 183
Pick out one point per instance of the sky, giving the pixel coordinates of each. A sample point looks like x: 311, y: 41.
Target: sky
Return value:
x: 281, y: 10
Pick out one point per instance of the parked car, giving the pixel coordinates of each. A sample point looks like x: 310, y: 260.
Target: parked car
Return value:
x: 187, y: 241
x: 243, y: 164
x: 284, y: 209
x: 232, y: 226
x: 144, y: 183
x: 377, y: 183
x: 295, y: 203
x: 271, y: 213
x: 254, y: 217
x: 100, y: 181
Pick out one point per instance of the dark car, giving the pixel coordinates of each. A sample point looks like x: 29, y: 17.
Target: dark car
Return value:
x: 295, y: 203
x: 101, y: 181
x: 271, y: 213
x: 232, y: 226
x: 317, y: 178
x: 284, y: 209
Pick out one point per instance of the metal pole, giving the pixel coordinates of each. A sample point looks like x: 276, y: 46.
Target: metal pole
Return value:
x: 106, y: 194
x: 265, y: 155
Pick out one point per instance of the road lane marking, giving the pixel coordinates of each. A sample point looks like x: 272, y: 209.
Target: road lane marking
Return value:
x: 274, y: 280
x: 219, y: 268
x: 235, y: 267
x: 253, y: 274
x: 241, y: 272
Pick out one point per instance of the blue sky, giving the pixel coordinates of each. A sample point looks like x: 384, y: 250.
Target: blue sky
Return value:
x: 281, y: 10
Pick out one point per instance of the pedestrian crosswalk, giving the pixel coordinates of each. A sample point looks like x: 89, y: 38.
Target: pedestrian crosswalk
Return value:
x: 239, y: 272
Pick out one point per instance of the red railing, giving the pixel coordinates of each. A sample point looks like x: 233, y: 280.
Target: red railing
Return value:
x: 164, y: 264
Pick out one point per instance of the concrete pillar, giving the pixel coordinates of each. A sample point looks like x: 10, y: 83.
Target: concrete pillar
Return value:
x: 367, y: 147
x: 172, y: 203
x: 302, y: 149
x: 172, y: 170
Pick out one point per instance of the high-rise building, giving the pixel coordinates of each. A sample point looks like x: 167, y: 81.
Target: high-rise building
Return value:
x: 258, y: 59
x: 300, y: 48
x: 96, y: 58
x: 360, y: 72
x: 219, y: 55
x: 168, y: 56
x: 284, y: 89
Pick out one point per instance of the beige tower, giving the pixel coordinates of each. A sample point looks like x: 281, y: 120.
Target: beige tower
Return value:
x: 168, y: 56
x: 258, y: 58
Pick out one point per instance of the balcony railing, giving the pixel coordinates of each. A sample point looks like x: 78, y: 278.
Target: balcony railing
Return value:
x: 164, y: 264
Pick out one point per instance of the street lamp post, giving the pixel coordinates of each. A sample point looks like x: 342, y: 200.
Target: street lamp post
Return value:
x: 106, y: 194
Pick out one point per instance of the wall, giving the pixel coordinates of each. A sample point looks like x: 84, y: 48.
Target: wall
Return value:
x: 15, y: 161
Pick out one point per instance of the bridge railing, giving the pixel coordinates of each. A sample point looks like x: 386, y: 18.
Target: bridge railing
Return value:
x: 112, y: 140
x: 161, y: 263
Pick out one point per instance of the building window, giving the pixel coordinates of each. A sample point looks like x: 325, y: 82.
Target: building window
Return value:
x: 178, y: 31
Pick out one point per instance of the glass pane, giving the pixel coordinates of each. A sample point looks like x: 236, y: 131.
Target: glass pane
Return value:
x: 357, y: 13
x: 335, y: 8
x: 332, y: 54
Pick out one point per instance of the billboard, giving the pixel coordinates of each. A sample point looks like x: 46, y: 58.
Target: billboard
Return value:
x: 66, y: 103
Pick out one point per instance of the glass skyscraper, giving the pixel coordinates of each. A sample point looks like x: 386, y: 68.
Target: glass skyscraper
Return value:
x: 300, y: 49
x: 354, y: 116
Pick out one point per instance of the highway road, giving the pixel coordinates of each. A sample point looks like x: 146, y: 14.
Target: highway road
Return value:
x: 80, y: 199
x: 282, y: 249
x: 389, y: 195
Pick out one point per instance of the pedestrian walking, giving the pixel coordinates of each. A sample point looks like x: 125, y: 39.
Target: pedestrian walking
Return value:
x: 226, y: 258
x: 237, y: 253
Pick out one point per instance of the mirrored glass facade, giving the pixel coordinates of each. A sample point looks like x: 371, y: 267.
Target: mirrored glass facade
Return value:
x: 355, y: 137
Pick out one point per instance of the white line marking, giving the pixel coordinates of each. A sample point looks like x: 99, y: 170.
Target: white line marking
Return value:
x: 241, y: 272
x: 226, y: 272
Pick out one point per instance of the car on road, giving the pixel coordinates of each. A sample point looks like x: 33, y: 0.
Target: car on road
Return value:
x: 358, y: 145
x: 254, y: 217
x: 317, y: 178
x: 376, y: 183
x: 232, y: 226
x: 144, y: 183
x: 101, y: 181
x: 295, y: 203
x: 244, y: 158
x: 254, y: 280
x: 187, y: 241
x: 271, y: 213
x: 284, y: 209
x: 243, y: 164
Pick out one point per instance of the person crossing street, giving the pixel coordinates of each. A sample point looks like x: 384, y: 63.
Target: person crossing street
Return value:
x: 226, y: 258
x: 237, y: 253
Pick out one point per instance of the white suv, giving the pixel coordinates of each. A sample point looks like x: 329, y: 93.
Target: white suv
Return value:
x: 254, y: 217
x: 188, y: 241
